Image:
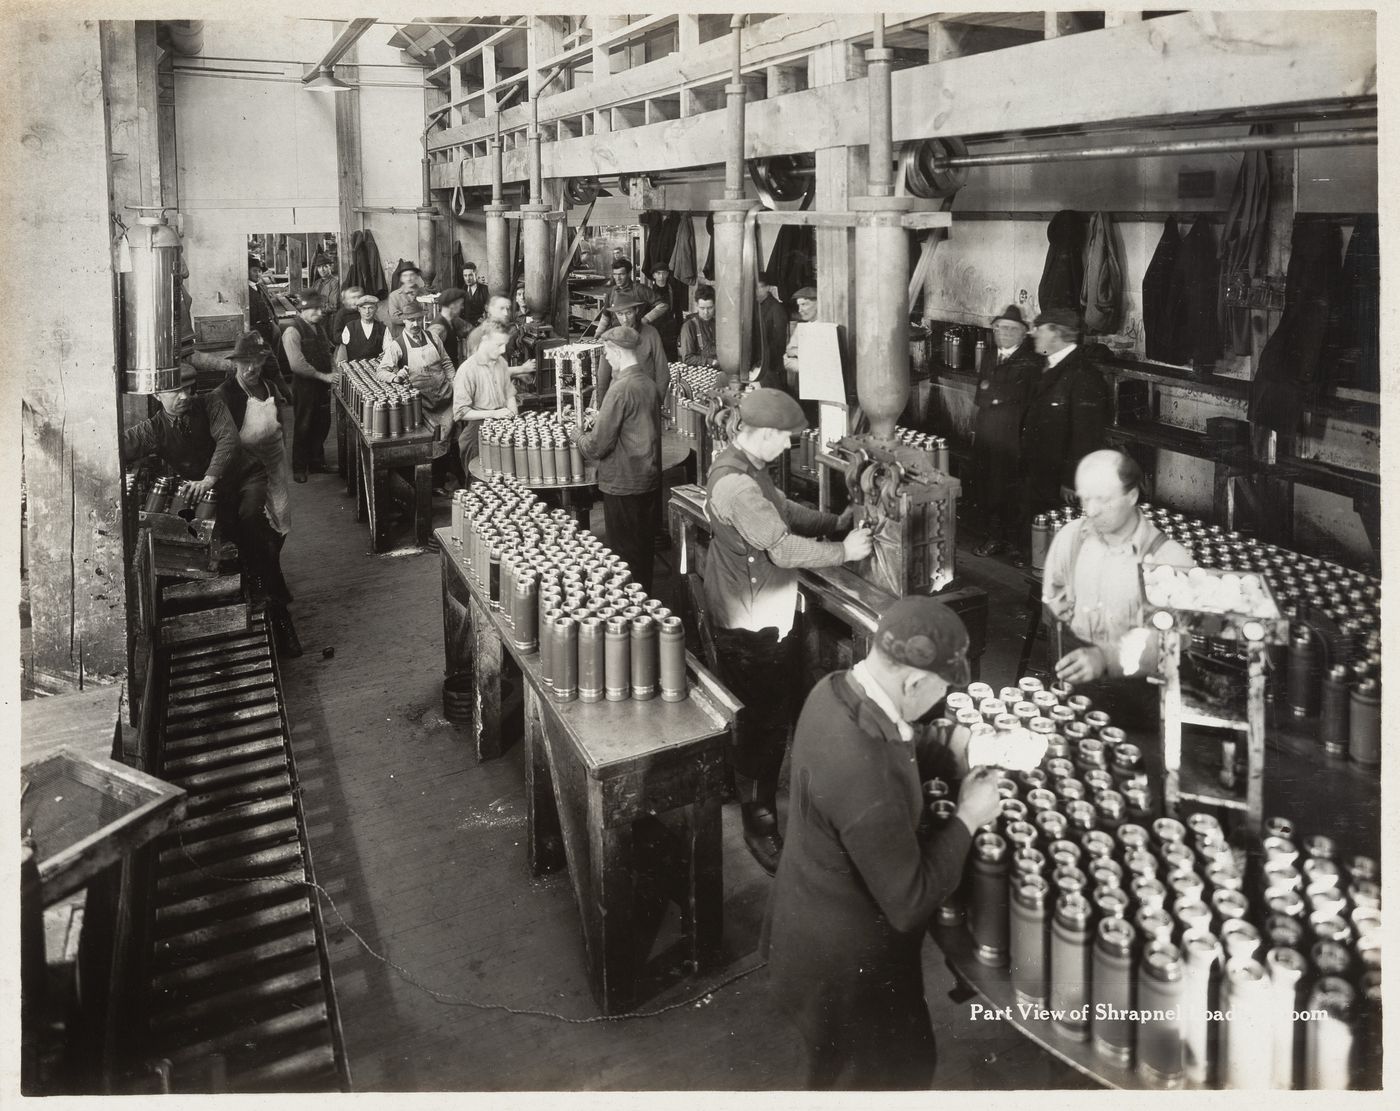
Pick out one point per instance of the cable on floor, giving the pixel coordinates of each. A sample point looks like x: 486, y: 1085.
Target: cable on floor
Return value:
x: 462, y: 1000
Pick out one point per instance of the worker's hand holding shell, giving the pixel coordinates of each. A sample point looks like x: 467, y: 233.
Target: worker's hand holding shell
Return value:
x: 979, y: 802
x: 858, y: 544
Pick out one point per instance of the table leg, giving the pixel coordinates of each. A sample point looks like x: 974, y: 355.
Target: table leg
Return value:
x: 1032, y: 628
x: 544, y: 837
x: 612, y: 956
x: 375, y: 481
x: 705, y: 886
x: 352, y: 469
x: 456, y: 625
x: 342, y: 440
x: 423, y: 504
x: 361, y: 495
x: 487, y: 659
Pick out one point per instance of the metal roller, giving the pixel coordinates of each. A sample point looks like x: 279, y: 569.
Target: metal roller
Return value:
x: 924, y: 170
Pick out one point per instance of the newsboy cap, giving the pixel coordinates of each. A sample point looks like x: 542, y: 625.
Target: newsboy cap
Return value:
x: 806, y: 293
x: 769, y: 408
x: 621, y: 336
x: 1065, y: 318
x: 920, y: 632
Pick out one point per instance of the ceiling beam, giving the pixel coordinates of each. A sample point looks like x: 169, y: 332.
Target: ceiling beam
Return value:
x: 338, y: 49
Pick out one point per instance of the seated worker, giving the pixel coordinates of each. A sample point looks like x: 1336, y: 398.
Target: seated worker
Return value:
x: 1093, y: 590
x: 650, y: 353
x: 626, y: 441
x: 1004, y: 382
x: 199, y: 440
x: 858, y: 884
x: 697, y: 339
x: 414, y: 356
x: 405, y: 298
x: 759, y: 541
x: 482, y: 390
x: 362, y: 337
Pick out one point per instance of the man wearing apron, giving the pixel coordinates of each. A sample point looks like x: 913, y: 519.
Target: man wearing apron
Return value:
x: 263, y: 490
x: 414, y: 356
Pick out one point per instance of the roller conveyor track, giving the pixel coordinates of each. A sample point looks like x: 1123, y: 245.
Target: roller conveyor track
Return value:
x: 239, y: 995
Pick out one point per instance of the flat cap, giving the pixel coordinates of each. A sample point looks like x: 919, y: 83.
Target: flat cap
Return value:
x: 920, y: 632
x: 450, y: 296
x: 621, y: 336
x: 766, y: 407
x: 1065, y: 318
x: 1011, y: 313
x: 806, y: 293
x: 366, y: 299
x: 250, y: 347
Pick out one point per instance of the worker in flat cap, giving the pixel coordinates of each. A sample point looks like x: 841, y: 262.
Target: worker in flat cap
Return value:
x: 629, y: 311
x: 363, y: 336
x: 1066, y: 412
x: 806, y: 301
x: 668, y: 310
x: 770, y: 334
x: 859, y: 881
x: 449, y: 327
x: 345, y: 312
x: 1009, y: 366
x: 625, y: 440
x: 306, y: 357
x: 760, y: 540
x: 414, y: 357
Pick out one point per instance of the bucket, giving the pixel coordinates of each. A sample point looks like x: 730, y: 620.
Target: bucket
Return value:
x: 458, y: 698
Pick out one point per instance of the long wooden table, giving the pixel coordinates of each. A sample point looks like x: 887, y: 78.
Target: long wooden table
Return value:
x: 839, y: 609
x: 366, y: 462
x: 615, y: 790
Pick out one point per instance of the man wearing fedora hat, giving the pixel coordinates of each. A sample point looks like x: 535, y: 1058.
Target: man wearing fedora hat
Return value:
x: 405, y: 297
x: 1004, y: 380
x: 859, y: 882
x: 308, y: 359
x: 1066, y: 411
x: 650, y: 351
x: 760, y: 540
x: 623, y: 288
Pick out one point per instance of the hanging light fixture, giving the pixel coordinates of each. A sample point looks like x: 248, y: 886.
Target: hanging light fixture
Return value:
x: 324, y: 81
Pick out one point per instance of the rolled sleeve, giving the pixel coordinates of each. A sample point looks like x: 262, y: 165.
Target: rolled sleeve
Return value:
x: 738, y: 501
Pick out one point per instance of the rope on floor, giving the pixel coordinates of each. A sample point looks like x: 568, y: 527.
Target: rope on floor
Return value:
x: 463, y: 1000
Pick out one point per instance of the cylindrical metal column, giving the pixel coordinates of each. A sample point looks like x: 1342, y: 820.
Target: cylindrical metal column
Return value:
x: 498, y: 249
x: 734, y: 154
x: 729, y: 285
x: 427, y: 243
x: 534, y: 231
x: 882, y: 326
x: 881, y: 172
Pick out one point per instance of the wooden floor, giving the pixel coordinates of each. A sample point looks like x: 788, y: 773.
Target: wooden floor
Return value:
x: 423, y: 852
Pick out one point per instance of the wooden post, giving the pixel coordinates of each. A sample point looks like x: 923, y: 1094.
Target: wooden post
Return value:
x: 349, y: 160
x: 72, y: 458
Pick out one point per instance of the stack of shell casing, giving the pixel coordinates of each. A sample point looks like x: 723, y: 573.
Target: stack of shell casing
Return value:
x: 538, y: 448
x: 690, y: 404
x: 1173, y: 951
x: 562, y: 593
x: 384, y: 409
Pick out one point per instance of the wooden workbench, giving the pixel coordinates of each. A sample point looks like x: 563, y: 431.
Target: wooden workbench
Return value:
x: 615, y: 790
x: 839, y: 610
x: 366, y: 462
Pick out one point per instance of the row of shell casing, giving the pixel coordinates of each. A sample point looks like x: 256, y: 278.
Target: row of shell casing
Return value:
x: 562, y: 593
x: 935, y: 447
x: 165, y: 496
x: 535, y: 447
x: 1102, y: 920
x: 688, y: 413
x: 385, y: 410
x: 1345, y: 698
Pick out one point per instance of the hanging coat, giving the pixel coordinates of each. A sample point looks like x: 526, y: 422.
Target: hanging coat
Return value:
x: 1192, y: 300
x: 794, y: 260
x: 683, y: 254
x: 1102, y: 291
x: 366, y: 269
x: 1156, y: 290
x: 1244, y: 242
x: 1354, y: 336
x: 708, y: 270
x: 1062, y: 283
x: 1288, y: 366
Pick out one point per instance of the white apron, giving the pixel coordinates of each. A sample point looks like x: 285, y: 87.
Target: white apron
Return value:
x: 425, y: 369
x: 261, y: 437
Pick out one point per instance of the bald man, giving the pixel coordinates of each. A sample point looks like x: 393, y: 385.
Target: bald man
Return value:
x: 1093, y: 588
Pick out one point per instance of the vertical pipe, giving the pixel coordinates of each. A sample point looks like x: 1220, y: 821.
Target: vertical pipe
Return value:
x: 729, y: 226
x: 881, y: 138
x: 536, y: 169
x: 734, y: 93
x: 498, y: 276
x: 882, y: 325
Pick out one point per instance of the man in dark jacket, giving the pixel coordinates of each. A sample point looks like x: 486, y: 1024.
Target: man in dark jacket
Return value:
x: 1066, y: 412
x: 626, y: 441
x: 858, y: 884
x: 1005, y: 377
x: 307, y: 357
x: 770, y: 334
x: 760, y: 539
x: 668, y: 310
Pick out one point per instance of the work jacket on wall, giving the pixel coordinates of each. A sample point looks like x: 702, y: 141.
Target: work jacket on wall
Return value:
x: 1066, y: 413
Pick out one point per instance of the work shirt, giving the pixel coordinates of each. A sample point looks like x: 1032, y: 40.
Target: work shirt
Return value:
x: 651, y: 357
x: 632, y: 291
x: 760, y: 540
x: 626, y: 435
x: 329, y: 289
x: 517, y: 348
x: 697, y: 341
x: 429, y: 371
x: 201, y: 444
x: 402, y: 300
x: 1096, y: 590
x: 305, y: 347
x: 481, y: 385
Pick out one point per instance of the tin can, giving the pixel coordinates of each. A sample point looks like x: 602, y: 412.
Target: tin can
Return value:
x: 1329, y: 1040
x: 1030, y: 938
x: 1159, y: 1044
x: 1113, y: 990
x: 1070, y: 969
x: 988, y: 917
x: 1286, y: 968
x: 591, y: 665
x: 645, y: 658
x: 672, y: 653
